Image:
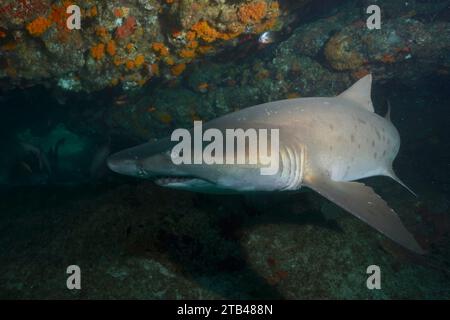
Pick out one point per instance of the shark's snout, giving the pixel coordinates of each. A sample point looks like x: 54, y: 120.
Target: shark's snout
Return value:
x: 122, y: 164
x: 142, y: 161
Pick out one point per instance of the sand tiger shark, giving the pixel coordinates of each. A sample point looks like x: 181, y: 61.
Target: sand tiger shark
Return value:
x: 325, y: 144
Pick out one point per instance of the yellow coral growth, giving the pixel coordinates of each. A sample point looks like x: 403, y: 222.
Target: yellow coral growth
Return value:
x: 155, y: 69
x: 341, y: 55
x: 130, y: 64
x: 38, y: 26
x: 169, y: 61
x: 186, y: 53
x: 101, y: 32
x: 98, y: 51
x: 139, y: 60
x: 252, y: 12
x: 111, y: 48
x: 118, y: 12
x: 93, y: 12
x: 117, y: 61
x: 203, y: 87
x: 130, y: 47
x: 208, y: 34
x: 192, y: 44
x: 178, y: 69
x: 205, y: 49
x: 160, y: 48
x: 190, y: 35
x: 205, y: 32
x: 58, y: 14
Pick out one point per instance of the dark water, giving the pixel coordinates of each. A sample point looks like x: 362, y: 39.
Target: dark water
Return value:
x: 61, y: 206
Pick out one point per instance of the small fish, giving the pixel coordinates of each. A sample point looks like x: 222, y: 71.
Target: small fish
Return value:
x: 269, y: 37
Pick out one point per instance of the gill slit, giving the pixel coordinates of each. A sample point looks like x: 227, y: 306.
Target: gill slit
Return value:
x: 292, y: 167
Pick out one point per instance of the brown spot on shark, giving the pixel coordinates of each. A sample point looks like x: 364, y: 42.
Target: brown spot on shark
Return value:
x: 378, y: 133
x: 362, y: 121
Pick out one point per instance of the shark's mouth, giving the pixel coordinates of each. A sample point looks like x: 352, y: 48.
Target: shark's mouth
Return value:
x: 184, y: 182
x: 163, y: 181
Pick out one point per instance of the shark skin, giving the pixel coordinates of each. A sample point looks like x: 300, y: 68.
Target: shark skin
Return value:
x: 325, y: 144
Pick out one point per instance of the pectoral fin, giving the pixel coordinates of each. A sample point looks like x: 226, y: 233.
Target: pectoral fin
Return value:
x: 364, y: 203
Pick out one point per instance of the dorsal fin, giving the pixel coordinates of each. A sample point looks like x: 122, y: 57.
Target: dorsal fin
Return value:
x: 359, y: 92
